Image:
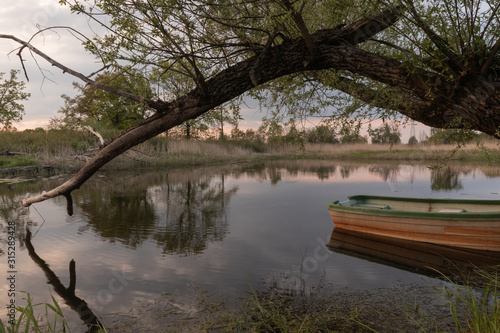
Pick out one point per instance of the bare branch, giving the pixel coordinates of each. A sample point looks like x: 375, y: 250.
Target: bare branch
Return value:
x: 79, y: 75
x: 93, y: 131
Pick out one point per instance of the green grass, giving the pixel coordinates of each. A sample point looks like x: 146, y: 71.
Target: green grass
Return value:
x: 52, y: 321
x: 17, y: 161
x: 475, y: 309
x: 468, y: 307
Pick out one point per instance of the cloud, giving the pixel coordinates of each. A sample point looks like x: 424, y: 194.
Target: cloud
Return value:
x: 23, y: 19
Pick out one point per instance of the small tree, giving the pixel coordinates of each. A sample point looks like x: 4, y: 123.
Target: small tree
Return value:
x: 412, y: 141
x: 350, y: 132
x: 11, y: 94
x: 322, y: 134
x: 237, y: 134
x: 385, y: 134
x: 273, y: 130
x: 293, y: 135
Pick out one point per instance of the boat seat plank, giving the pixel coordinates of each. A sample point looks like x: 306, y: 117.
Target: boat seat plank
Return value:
x: 452, y: 210
x: 372, y: 206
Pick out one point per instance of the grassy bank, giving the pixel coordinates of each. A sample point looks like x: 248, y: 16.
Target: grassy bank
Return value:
x: 438, y: 308
x: 473, y: 153
x: 67, y: 150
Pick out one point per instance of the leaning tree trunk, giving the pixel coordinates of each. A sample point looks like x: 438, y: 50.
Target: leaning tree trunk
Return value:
x: 287, y: 58
x: 326, y: 49
x: 477, y: 102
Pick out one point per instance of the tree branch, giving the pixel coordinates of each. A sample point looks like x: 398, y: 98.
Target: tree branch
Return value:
x: 491, y: 57
x: 93, y: 131
x: 151, y: 103
x: 336, y: 49
x: 299, y: 21
x: 392, y: 98
x: 253, y: 72
x: 455, y: 63
x: 362, y: 30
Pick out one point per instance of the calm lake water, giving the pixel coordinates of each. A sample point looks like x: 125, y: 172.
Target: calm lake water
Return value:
x: 139, y: 234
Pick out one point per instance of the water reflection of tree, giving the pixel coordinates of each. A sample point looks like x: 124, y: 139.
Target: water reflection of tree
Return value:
x: 181, y: 211
x: 387, y: 172
x: 67, y: 293
x: 275, y: 175
x: 124, y: 217
x: 445, y: 179
x: 194, y: 214
x: 324, y: 172
x: 345, y: 171
x: 12, y: 210
x: 274, y: 171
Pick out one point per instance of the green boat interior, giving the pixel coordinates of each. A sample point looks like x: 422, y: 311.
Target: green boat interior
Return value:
x: 421, y: 205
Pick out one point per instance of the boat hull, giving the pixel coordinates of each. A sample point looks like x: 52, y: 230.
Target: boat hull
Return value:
x: 471, y: 230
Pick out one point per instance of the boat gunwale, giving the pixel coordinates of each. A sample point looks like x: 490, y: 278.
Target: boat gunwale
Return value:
x: 467, y: 216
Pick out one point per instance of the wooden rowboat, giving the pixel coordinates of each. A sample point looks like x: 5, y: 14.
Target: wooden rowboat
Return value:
x: 471, y: 224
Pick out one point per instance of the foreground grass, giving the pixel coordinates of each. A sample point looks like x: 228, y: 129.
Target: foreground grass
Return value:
x: 52, y: 321
x: 445, y: 307
x: 480, y: 308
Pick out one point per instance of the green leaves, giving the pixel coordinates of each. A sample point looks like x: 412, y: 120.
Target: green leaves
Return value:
x: 111, y: 110
x: 433, y: 47
x: 11, y: 96
x: 450, y: 37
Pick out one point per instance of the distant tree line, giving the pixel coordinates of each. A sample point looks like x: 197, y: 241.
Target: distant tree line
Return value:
x: 344, y: 133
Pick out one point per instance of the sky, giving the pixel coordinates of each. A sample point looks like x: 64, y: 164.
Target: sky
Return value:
x: 23, y: 18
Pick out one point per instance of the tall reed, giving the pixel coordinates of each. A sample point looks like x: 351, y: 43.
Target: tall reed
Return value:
x: 52, y: 321
x: 475, y: 308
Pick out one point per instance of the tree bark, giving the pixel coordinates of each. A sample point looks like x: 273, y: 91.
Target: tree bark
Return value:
x: 334, y: 49
x: 287, y: 58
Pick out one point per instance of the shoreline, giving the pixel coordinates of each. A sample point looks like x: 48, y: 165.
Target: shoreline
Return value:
x: 184, y: 153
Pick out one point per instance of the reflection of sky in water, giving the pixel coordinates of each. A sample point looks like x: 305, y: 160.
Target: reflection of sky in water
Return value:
x: 264, y: 227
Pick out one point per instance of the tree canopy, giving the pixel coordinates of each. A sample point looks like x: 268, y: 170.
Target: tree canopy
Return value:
x: 107, y: 108
x: 433, y: 61
x: 11, y: 95
x: 385, y: 134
